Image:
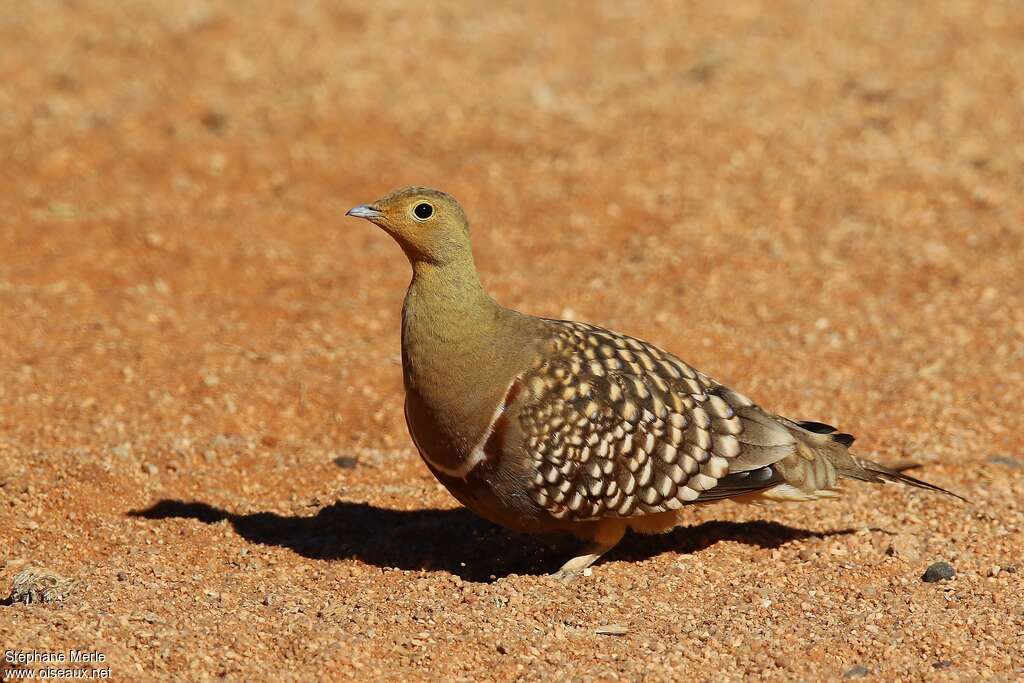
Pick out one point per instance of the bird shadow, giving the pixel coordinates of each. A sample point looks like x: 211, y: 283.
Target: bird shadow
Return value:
x: 454, y: 541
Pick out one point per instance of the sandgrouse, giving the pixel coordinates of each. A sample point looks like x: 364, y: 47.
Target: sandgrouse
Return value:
x: 546, y: 425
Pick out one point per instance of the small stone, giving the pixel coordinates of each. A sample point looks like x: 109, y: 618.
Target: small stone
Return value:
x: 35, y: 584
x: 346, y: 462
x: 122, y: 576
x: 857, y: 672
x: 500, y: 647
x: 1007, y: 461
x: 942, y: 664
x: 214, y: 120
x: 149, y: 468
x: 906, y: 547
x: 611, y: 630
x: 939, y: 571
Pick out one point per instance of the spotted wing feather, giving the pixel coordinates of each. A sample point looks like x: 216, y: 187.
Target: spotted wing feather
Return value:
x: 616, y: 427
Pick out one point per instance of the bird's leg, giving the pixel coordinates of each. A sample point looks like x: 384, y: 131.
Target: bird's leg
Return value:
x: 588, y: 556
x: 607, y: 535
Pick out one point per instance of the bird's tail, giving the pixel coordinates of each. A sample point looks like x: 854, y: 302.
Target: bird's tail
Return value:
x: 897, y: 474
x: 790, y: 460
x: 818, y: 442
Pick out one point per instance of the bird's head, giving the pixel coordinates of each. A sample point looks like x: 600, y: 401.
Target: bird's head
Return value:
x: 429, y: 225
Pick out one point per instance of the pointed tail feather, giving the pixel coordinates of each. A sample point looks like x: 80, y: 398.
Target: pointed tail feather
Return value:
x: 883, y: 473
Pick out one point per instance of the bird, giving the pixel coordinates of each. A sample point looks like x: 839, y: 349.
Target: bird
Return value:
x: 549, y: 426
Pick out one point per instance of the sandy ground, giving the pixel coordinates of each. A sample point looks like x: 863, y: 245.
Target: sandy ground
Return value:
x: 819, y: 203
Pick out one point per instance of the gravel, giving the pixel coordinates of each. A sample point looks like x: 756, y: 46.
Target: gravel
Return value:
x: 36, y: 584
x: 820, y: 204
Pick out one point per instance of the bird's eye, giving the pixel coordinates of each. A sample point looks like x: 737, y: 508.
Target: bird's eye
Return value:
x: 423, y: 211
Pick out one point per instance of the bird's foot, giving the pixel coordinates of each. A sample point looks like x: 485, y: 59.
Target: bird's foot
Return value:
x: 564, y: 575
x: 580, y: 565
x: 609, y: 533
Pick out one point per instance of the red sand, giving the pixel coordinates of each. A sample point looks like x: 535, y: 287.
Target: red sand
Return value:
x: 820, y: 204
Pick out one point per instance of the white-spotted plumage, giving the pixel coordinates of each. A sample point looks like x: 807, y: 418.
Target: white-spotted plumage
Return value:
x: 636, y: 430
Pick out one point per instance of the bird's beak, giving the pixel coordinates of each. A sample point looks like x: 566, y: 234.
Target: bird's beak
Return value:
x: 364, y: 211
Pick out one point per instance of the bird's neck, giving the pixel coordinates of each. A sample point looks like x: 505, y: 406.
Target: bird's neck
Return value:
x: 460, y: 351
x: 446, y: 309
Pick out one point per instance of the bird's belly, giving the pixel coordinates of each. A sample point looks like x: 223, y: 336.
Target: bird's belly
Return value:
x: 481, y: 485
x: 485, y: 496
x: 440, y: 453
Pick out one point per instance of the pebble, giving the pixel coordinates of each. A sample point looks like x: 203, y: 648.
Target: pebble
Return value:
x: 905, y: 547
x: 346, y: 462
x: 857, y: 672
x: 938, y: 571
x: 1007, y: 461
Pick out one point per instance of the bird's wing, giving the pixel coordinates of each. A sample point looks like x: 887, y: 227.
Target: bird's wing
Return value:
x: 615, y: 427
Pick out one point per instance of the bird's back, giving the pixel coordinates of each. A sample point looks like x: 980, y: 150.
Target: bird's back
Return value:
x: 616, y: 427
